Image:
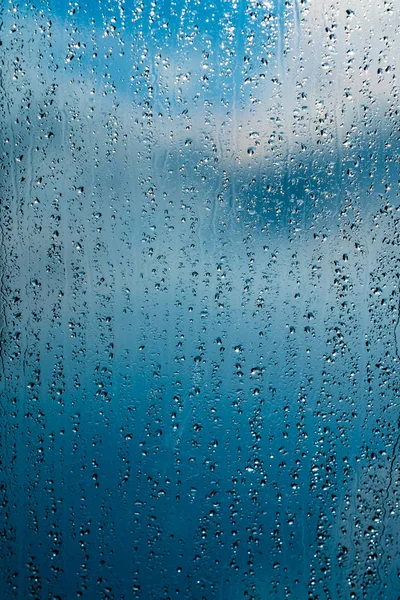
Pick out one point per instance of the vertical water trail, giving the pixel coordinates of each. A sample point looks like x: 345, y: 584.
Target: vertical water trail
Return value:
x: 297, y: 26
x: 390, y: 480
x: 3, y: 267
x: 19, y: 458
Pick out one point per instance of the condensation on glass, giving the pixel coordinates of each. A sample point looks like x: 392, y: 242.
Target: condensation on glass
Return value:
x: 199, y: 300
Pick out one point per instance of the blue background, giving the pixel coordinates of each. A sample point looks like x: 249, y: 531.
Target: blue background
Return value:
x: 199, y: 301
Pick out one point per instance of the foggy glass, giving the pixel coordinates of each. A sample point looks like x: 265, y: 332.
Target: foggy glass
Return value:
x: 199, y: 300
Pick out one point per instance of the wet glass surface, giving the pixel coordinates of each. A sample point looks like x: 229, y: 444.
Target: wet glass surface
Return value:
x: 199, y: 300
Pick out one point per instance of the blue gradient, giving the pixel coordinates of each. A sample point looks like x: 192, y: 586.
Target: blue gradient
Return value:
x: 199, y: 301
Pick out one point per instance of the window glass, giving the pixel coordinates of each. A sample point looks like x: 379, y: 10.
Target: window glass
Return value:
x: 199, y: 300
